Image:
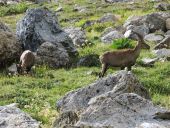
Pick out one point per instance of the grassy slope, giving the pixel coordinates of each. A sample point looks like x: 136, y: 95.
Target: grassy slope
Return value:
x: 37, y: 95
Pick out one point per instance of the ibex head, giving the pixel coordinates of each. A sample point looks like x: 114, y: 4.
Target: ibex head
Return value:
x: 131, y: 34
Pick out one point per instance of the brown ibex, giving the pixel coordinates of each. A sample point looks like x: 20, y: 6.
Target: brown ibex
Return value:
x: 122, y: 58
x: 27, y: 60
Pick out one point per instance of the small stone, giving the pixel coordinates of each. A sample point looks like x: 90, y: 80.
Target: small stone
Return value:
x: 77, y: 35
x: 109, y: 37
x: 162, y: 53
x: 13, y: 117
x: 165, y: 43
x: 148, y: 62
x: 108, y: 18
x: 153, y: 37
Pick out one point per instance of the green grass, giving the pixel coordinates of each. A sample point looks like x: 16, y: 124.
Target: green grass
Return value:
x: 122, y: 43
x: 13, y: 9
x: 38, y: 94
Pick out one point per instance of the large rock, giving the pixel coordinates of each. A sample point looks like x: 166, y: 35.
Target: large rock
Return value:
x: 122, y: 82
x: 142, y: 29
x: 126, y: 110
x: 77, y: 35
x: 115, y: 101
x: 89, y: 60
x: 133, y: 20
x: 153, y: 37
x: 165, y: 15
x: 154, y: 21
x: 10, y: 48
x: 52, y: 55
x: 13, y: 117
x: 109, y: 36
x: 165, y: 43
x: 40, y: 25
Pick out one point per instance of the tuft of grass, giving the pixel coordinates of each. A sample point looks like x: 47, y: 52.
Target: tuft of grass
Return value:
x: 122, y: 43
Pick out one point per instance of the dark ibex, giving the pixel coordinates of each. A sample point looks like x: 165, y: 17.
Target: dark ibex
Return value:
x: 122, y: 58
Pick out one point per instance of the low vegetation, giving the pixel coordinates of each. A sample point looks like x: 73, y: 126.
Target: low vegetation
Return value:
x: 13, y: 9
x: 123, y: 43
x: 38, y: 94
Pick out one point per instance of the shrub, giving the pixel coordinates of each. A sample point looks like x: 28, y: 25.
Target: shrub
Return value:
x: 13, y: 9
x: 122, y: 43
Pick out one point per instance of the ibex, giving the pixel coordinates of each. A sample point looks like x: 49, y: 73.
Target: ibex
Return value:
x: 27, y: 60
x: 122, y: 58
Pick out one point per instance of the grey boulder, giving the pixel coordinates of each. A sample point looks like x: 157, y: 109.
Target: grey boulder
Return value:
x: 162, y: 53
x: 154, y: 21
x: 40, y: 25
x: 13, y: 117
x: 122, y: 82
x: 53, y: 55
x: 164, y: 15
x: 109, y: 36
x: 153, y: 37
x: 133, y: 20
x: 89, y: 60
x: 77, y: 35
x: 127, y: 110
x: 107, y: 30
x: 115, y: 101
x: 141, y: 29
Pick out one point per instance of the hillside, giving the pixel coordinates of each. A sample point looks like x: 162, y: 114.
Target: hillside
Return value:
x: 37, y: 95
